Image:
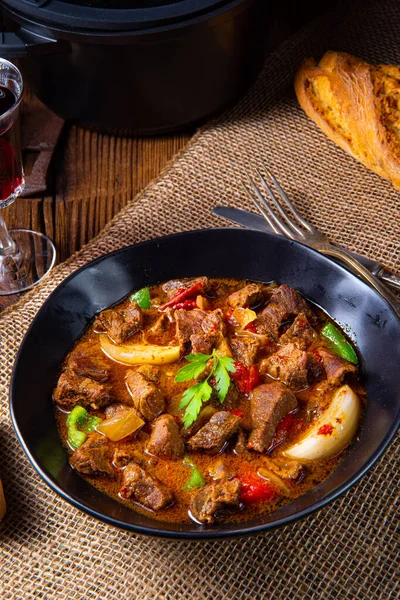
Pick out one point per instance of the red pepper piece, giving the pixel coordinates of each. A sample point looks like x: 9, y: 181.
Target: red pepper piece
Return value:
x: 181, y: 296
x: 186, y: 304
x: 228, y: 317
x: 326, y: 429
x: 286, y: 423
x: 297, y: 426
x: 237, y: 412
x: 254, y: 377
x: 255, y: 490
x: 251, y: 327
x: 290, y: 425
x: 246, y: 378
x: 318, y: 357
x: 241, y: 376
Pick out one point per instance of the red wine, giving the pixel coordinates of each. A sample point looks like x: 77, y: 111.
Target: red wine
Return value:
x: 7, y: 100
x: 11, y: 172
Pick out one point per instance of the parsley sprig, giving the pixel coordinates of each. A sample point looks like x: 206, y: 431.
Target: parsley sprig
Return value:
x: 197, y: 394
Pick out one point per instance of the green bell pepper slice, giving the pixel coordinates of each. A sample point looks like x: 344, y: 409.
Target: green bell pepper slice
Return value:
x: 339, y: 344
x: 80, y: 418
x: 142, y: 297
x: 196, y: 479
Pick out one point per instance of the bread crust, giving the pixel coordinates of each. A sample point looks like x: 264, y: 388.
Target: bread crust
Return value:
x: 357, y: 106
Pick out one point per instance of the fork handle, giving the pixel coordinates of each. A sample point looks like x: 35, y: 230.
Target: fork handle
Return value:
x: 389, y: 278
x: 373, y: 281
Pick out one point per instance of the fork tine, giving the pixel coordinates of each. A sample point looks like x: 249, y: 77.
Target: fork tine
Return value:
x: 275, y: 223
x: 278, y: 206
x: 282, y: 194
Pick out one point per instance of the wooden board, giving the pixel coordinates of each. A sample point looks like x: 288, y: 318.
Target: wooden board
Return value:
x: 91, y: 178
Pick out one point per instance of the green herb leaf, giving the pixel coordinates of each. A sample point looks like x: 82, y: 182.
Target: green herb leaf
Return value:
x: 193, y: 399
x: 222, y: 381
x: 142, y: 297
x: 228, y: 363
x: 199, y: 357
x: 197, y: 364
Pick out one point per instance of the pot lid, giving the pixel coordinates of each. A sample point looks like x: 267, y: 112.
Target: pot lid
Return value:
x: 113, y: 15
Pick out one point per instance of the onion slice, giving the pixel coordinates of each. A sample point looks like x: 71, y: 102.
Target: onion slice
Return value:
x: 121, y: 424
x: 331, y: 433
x: 139, y: 354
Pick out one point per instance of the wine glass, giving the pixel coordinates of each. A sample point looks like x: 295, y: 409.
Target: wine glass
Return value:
x: 25, y: 256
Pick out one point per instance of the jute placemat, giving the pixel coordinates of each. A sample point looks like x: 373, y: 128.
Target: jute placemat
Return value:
x: 348, y: 550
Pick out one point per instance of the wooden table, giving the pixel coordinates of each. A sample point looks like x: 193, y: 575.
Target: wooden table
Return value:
x: 92, y: 176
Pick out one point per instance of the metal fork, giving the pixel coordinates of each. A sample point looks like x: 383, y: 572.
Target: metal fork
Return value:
x: 291, y: 224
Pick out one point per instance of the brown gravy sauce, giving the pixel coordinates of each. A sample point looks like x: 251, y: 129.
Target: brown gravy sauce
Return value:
x: 175, y: 473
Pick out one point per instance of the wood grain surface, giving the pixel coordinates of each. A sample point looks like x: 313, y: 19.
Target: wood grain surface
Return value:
x: 92, y: 176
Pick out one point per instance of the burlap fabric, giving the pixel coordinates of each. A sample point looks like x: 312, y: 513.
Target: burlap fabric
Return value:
x: 350, y: 549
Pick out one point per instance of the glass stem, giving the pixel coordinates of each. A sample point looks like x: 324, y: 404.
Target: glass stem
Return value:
x: 7, y: 246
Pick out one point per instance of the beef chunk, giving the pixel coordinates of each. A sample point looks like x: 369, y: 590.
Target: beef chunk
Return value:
x: 204, y: 416
x: 231, y: 398
x: 86, y: 361
x: 335, y: 366
x: 121, y: 322
x: 286, y: 468
x: 213, y: 497
x: 269, y: 321
x: 300, y: 333
x: 188, y: 322
x: 241, y: 443
x: 292, y: 303
x: 220, y: 470
x: 289, y: 365
x: 215, y: 433
x: 201, y: 328
x: 245, y: 349
x: 162, y: 330
x: 138, y: 485
x: 151, y: 372
x: 171, y: 288
x: 285, y: 303
x: 213, y: 321
x: 72, y: 390
x: 249, y: 295
x: 93, y: 457
x: 165, y: 439
x: 113, y: 410
x: 269, y: 404
x: 123, y: 455
x: 147, y: 398
x: 203, y: 343
x: 315, y: 366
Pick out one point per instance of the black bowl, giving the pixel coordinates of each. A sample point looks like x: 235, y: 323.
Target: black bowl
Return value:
x: 218, y: 253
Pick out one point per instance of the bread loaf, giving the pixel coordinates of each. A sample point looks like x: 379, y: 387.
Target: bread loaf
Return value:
x: 357, y: 105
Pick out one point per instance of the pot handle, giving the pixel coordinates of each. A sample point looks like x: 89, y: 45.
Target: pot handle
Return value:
x: 25, y: 43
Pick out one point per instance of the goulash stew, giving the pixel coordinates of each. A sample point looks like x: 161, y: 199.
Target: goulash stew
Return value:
x: 209, y: 399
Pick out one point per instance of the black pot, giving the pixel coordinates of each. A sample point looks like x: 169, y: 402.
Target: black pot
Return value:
x: 153, y: 68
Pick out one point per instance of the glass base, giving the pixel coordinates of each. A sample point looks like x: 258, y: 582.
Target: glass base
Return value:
x: 33, y: 258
